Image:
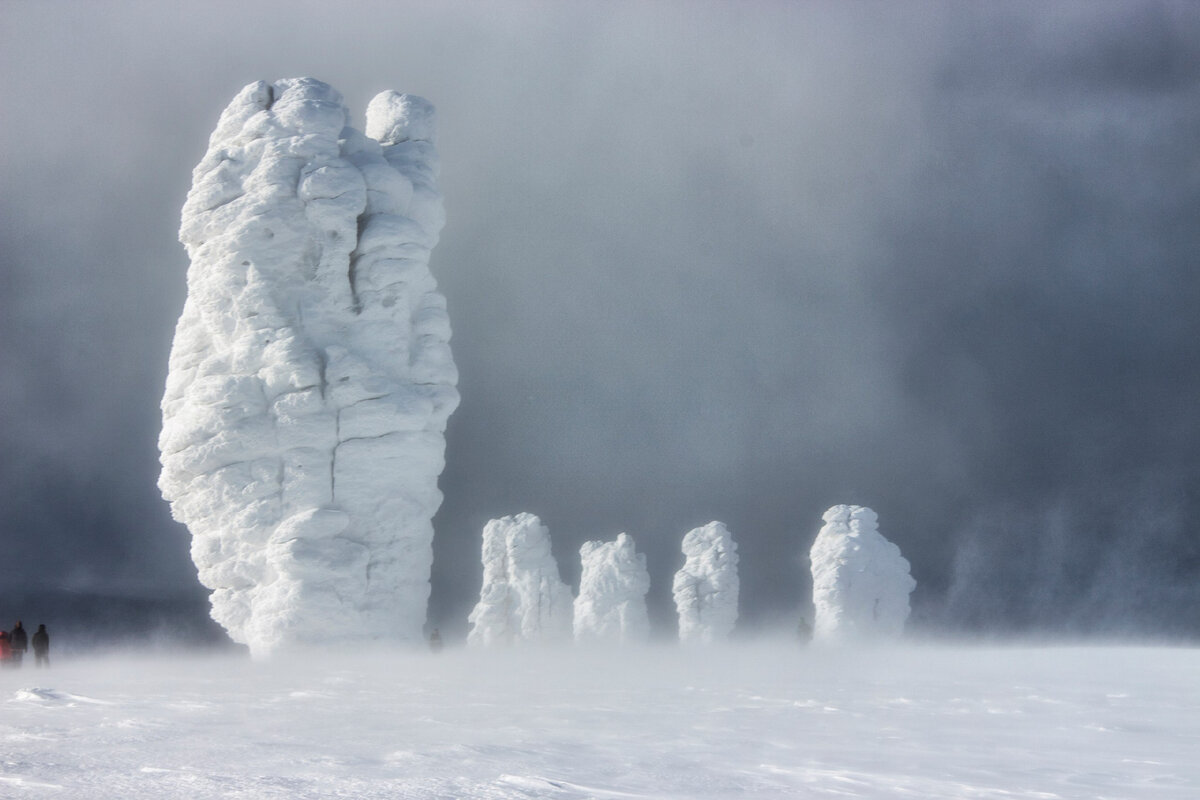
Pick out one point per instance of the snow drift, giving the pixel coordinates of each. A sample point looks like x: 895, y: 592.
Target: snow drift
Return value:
x: 611, y: 605
x: 706, y: 588
x: 310, y: 375
x: 860, y: 581
x: 522, y: 598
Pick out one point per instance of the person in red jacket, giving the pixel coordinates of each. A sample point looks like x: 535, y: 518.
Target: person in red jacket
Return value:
x: 5, y: 649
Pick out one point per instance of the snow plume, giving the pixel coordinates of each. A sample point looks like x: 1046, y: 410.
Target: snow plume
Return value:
x: 612, y: 593
x: 523, y: 598
x: 860, y: 581
x: 311, y: 376
x: 706, y: 588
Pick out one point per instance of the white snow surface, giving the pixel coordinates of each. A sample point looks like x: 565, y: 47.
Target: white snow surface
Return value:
x: 310, y: 375
x: 611, y: 606
x: 860, y: 581
x: 706, y: 587
x: 771, y: 720
x: 522, y: 599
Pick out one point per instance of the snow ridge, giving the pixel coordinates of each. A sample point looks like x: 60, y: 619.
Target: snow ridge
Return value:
x: 310, y: 375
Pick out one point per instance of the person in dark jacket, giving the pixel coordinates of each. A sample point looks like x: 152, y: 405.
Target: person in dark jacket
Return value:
x: 41, y: 647
x: 19, y: 643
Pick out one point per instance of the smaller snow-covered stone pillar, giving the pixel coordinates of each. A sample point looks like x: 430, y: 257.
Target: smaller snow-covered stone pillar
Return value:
x: 611, y: 606
x: 706, y: 588
x: 522, y: 598
x: 860, y: 581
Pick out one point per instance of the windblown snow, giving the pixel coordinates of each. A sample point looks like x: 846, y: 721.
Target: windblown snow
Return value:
x: 706, y: 588
x: 522, y: 598
x: 764, y: 719
x: 311, y: 376
x: 611, y: 606
x: 860, y: 581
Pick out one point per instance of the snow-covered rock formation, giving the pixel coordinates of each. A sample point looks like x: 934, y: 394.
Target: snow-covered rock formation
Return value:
x: 706, y: 588
x: 860, y: 581
x: 523, y: 598
x: 311, y: 376
x: 611, y: 605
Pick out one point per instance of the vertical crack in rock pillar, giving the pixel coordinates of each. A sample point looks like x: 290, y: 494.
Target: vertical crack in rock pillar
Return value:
x: 311, y: 376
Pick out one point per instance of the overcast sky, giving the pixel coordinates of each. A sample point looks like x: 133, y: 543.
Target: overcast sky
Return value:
x: 736, y: 261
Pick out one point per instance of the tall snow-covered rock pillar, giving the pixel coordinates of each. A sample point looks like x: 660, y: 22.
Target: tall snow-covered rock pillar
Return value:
x: 310, y: 376
x: 522, y: 599
x: 611, y: 606
x: 706, y: 588
x: 861, y: 582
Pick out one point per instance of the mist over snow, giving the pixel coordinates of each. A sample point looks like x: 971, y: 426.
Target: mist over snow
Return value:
x: 704, y: 261
x: 310, y: 375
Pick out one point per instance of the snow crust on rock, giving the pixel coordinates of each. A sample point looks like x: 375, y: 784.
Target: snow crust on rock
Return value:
x: 611, y: 606
x: 706, y: 588
x: 861, y: 582
x: 311, y: 376
x: 523, y: 599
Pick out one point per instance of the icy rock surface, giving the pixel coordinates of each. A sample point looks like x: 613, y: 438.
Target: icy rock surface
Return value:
x: 611, y: 605
x: 311, y: 376
x: 860, y: 581
x: 522, y: 598
x: 706, y: 588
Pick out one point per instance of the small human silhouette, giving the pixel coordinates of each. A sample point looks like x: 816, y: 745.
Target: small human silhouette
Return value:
x: 19, y: 643
x: 435, y: 641
x: 41, y: 647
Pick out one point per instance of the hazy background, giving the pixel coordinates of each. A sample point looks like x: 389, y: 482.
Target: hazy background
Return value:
x: 736, y: 261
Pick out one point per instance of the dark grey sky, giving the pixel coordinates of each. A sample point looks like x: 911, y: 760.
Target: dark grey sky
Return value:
x: 735, y: 261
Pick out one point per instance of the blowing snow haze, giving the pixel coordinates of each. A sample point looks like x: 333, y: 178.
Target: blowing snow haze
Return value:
x: 737, y: 262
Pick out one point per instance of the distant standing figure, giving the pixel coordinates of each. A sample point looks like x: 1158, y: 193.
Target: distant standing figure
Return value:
x: 5, y: 650
x: 19, y: 642
x: 435, y: 641
x: 41, y: 647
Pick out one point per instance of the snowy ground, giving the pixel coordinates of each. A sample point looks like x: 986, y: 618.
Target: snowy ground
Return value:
x: 756, y: 719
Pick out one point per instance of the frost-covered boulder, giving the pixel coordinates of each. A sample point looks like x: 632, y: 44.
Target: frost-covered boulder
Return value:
x: 523, y: 598
x: 611, y: 605
x: 706, y: 588
x: 860, y: 581
x: 310, y: 376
